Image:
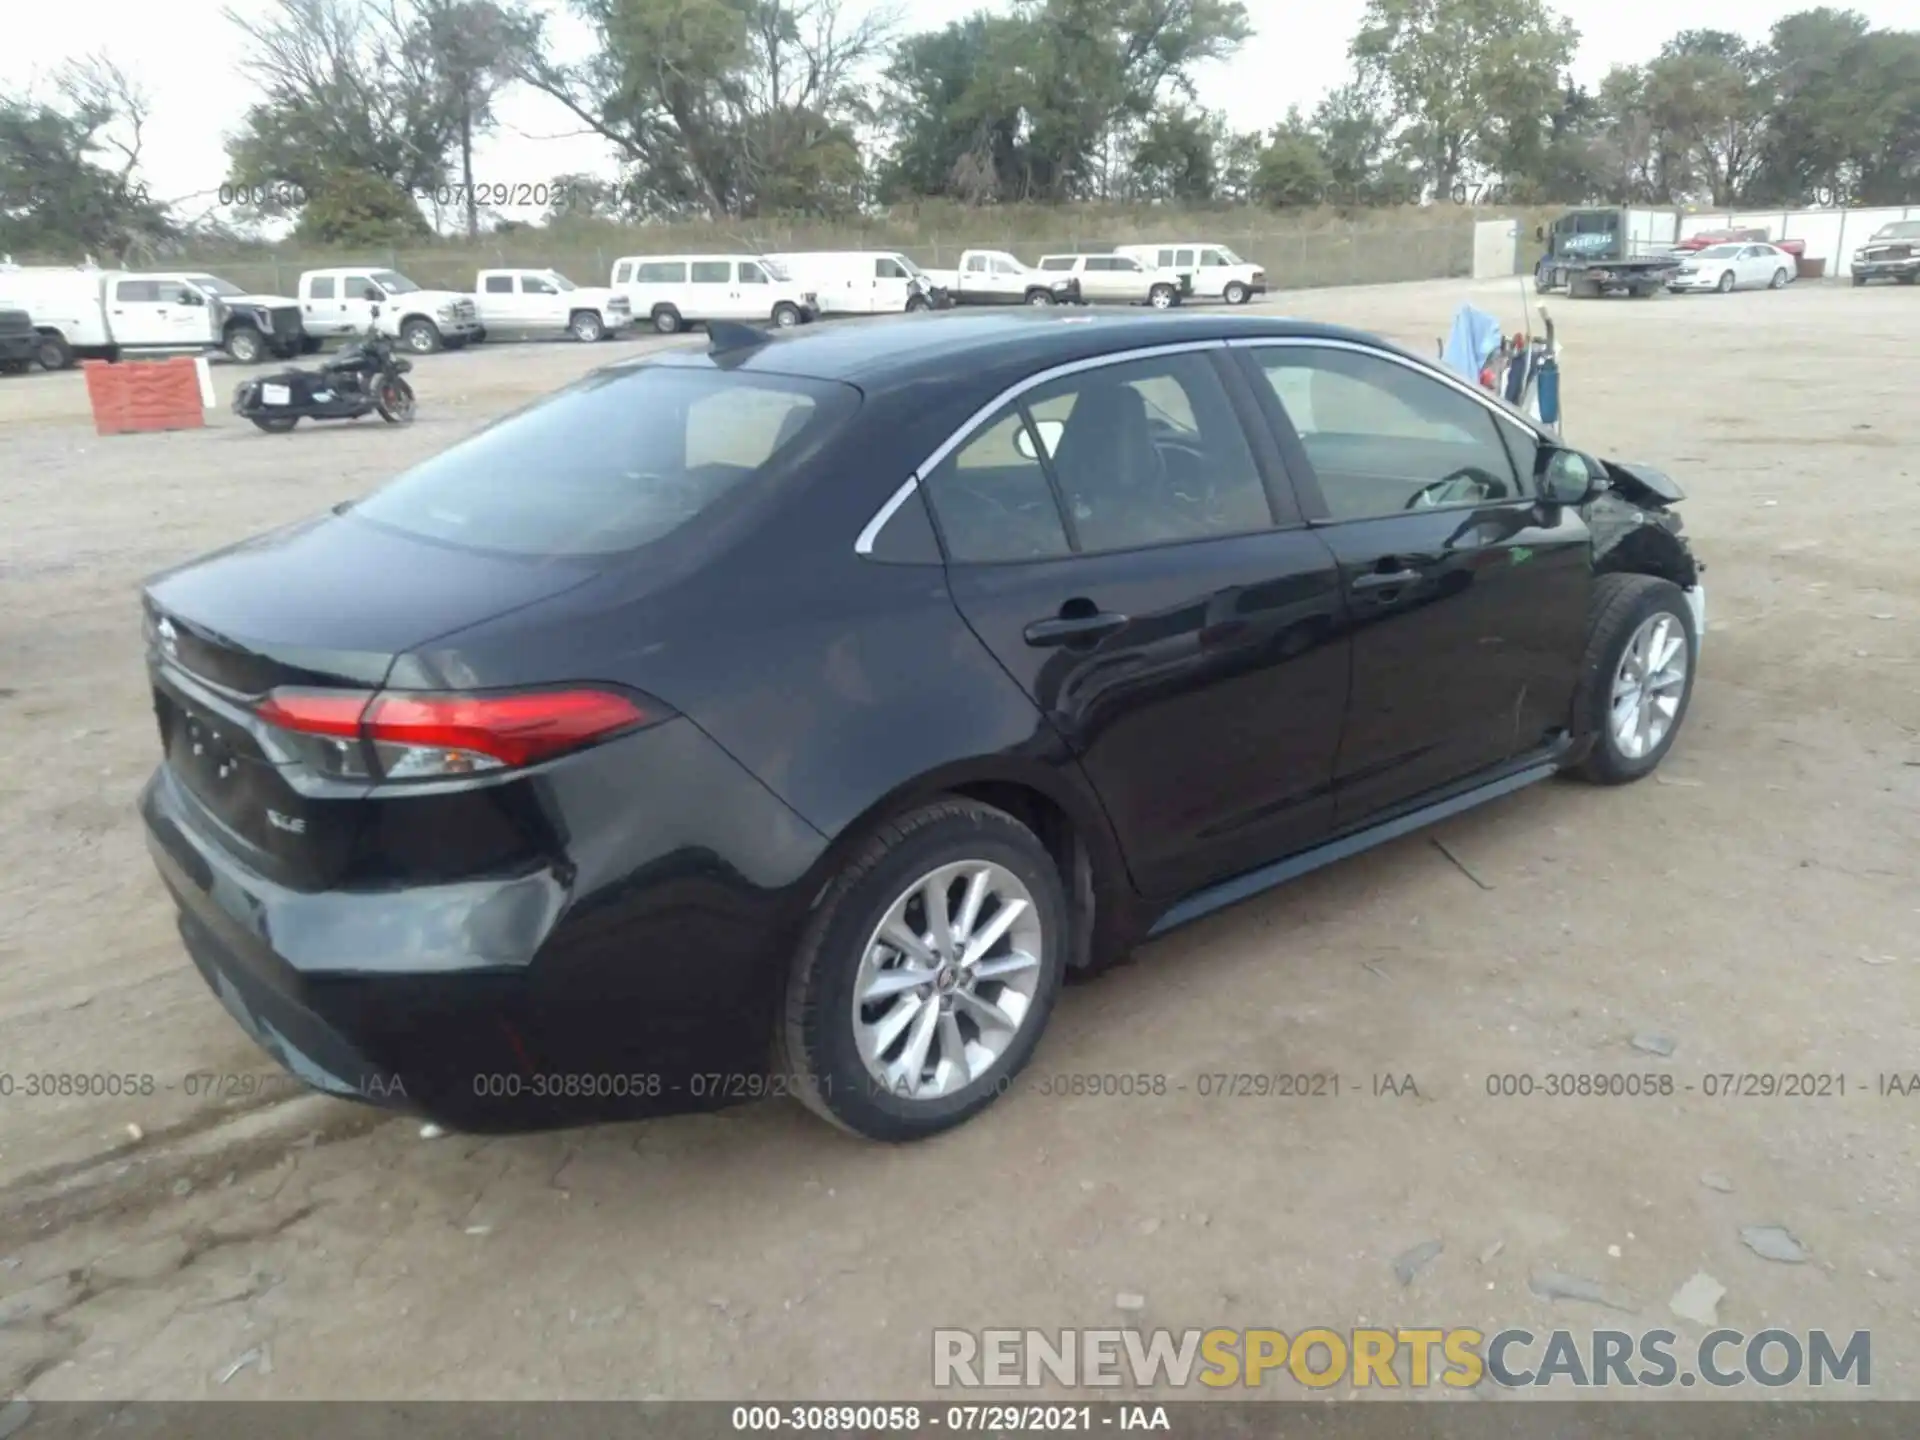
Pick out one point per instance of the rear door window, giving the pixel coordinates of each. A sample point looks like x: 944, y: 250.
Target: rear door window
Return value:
x: 616, y: 461
x: 320, y: 288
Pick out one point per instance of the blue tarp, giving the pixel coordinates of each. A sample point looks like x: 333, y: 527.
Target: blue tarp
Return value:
x: 1476, y: 335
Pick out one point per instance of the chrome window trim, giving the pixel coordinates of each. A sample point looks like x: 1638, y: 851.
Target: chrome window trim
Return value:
x: 871, y: 532
x: 1499, y: 408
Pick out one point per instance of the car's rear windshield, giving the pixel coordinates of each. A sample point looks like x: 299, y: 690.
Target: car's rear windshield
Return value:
x: 616, y: 461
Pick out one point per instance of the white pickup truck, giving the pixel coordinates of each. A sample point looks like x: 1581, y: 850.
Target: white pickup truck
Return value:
x: 80, y: 312
x: 519, y: 304
x: 993, y: 277
x: 339, y: 304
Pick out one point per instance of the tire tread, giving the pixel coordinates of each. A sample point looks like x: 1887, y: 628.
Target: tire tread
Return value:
x: 1614, y: 597
x: 791, y: 1059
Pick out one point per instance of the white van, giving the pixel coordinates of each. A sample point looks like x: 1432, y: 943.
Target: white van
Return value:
x: 862, y: 282
x: 675, y: 291
x: 1218, y: 273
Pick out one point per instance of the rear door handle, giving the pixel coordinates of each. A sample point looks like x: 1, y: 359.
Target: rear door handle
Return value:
x: 1073, y: 629
x: 1390, y: 580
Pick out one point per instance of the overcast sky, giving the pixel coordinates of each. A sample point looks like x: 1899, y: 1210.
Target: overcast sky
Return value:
x: 194, y: 66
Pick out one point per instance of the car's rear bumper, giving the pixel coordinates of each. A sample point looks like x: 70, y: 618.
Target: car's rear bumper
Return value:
x: 608, y: 985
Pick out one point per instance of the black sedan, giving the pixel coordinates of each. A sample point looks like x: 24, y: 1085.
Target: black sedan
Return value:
x: 792, y: 716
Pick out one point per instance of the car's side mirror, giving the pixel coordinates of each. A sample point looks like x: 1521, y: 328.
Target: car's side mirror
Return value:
x: 374, y: 314
x: 371, y: 294
x: 1050, y: 431
x: 1567, y: 477
x: 191, y: 297
x: 1539, y: 232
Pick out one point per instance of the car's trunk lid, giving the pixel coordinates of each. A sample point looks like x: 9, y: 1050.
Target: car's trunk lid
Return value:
x: 328, y: 604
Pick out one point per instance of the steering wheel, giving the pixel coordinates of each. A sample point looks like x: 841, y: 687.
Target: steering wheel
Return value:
x: 1463, y: 486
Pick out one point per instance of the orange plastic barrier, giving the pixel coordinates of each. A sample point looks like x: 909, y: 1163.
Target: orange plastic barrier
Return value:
x: 143, y: 395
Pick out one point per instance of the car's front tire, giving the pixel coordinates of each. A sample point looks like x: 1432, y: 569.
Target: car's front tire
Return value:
x: 1636, y: 679
x: 1235, y: 293
x: 902, y: 1021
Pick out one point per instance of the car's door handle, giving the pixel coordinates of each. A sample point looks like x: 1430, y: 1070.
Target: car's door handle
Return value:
x: 1073, y: 629
x: 1385, y: 580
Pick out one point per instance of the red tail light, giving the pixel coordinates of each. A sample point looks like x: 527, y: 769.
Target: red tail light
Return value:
x: 397, y: 735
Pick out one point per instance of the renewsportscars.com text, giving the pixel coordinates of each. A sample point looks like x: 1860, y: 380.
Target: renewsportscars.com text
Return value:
x: 1457, y: 1358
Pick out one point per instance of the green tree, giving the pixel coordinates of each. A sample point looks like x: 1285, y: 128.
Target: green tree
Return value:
x: 1177, y: 155
x: 346, y: 85
x: 1707, y: 93
x: 356, y: 207
x: 723, y: 107
x: 1471, y: 81
x: 1026, y: 106
x: 474, y: 49
x: 70, y: 181
x: 1291, y: 170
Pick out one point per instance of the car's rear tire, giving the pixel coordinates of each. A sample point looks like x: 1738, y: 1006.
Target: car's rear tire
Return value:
x: 859, y: 1066
x: 666, y: 320
x: 1235, y: 294
x: 1163, y: 297
x: 1779, y: 281
x: 1908, y: 278
x: 1859, y: 279
x: 1636, y: 679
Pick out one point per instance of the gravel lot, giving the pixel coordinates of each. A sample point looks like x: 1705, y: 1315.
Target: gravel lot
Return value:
x: 1756, y: 904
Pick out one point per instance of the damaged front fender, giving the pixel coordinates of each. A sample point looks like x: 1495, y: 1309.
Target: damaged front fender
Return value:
x: 1635, y: 532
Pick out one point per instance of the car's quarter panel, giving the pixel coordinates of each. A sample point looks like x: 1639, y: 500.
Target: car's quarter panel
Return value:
x: 1468, y: 619
x: 630, y: 934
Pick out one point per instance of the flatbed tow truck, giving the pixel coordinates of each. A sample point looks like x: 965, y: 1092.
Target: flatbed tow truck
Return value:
x: 1607, y: 251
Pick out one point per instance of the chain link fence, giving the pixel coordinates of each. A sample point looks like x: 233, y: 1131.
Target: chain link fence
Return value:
x: 1301, y: 258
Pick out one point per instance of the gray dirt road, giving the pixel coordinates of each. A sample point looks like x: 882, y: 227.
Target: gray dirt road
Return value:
x: 1756, y: 903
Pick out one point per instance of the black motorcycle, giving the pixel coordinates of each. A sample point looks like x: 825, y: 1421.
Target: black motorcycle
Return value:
x: 363, y: 379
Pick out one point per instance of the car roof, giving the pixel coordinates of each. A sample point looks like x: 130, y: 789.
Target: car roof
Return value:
x: 961, y: 345
x: 673, y: 259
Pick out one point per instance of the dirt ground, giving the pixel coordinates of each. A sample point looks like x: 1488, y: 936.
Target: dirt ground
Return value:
x: 1755, y: 905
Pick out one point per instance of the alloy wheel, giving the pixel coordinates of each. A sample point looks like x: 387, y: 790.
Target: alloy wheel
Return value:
x: 947, y: 979
x: 1649, y: 685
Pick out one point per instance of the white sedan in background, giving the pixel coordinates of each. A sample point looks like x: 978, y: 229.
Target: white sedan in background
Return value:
x: 1745, y: 266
